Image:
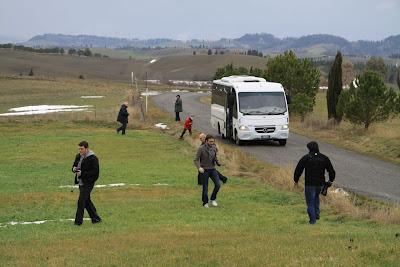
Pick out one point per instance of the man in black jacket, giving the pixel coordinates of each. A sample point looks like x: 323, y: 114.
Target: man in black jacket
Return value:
x: 315, y: 165
x: 87, y: 172
x: 123, y: 117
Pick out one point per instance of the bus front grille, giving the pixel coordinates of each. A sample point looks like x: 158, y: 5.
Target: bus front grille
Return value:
x: 268, y: 129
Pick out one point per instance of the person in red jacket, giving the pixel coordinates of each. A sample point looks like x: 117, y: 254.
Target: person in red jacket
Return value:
x: 187, y: 126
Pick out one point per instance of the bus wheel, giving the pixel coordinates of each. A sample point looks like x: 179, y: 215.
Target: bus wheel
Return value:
x: 282, y: 142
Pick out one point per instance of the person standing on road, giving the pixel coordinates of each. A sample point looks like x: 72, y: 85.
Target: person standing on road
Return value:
x: 187, y: 126
x: 123, y: 117
x: 178, y: 107
x: 315, y: 165
x: 87, y: 173
x: 204, y: 161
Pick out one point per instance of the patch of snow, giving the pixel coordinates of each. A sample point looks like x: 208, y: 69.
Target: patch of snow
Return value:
x: 154, y: 81
x: 161, y: 126
x: 92, y: 96
x: 44, y: 109
x: 341, y: 192
x: 150, y: 93
x: 182, y: 91
x: 13, y: 223
x: 97, y: 186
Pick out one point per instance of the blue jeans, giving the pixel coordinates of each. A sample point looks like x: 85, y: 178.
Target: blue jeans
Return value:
x: 213, y: 174
x: 311, y: 194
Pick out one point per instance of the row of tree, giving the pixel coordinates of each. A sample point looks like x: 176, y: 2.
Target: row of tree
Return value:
x: 367, y: 101
x: 52, y: 50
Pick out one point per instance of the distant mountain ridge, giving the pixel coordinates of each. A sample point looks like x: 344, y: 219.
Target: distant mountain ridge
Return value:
x: 315, y: 44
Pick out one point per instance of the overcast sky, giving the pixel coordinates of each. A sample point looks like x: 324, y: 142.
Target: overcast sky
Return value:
x: 205, y: 19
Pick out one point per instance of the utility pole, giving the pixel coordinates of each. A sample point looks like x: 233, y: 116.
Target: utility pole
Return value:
x: 147, y: 92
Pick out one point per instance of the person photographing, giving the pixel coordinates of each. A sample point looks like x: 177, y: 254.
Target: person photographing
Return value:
x: 86, y: 169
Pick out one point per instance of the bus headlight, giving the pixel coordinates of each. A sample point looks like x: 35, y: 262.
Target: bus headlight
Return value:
x: 244, y: 128
x: 285, y: 127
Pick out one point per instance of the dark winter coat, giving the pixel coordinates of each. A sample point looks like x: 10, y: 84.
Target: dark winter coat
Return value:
x: 178, y: 105
x: 89, y: 169
x: 315, y: 165
x: 123, y: 114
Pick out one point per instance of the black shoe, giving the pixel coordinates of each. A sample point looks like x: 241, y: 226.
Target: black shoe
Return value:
x: 225, y: 180
x: 77, y: 224
x: 96, y: 221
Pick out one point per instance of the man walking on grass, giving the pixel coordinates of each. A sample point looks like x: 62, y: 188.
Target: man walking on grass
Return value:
x: 204, y: 161
x: 123, y: 117
x: 86, y: 167
x: 315, y: 165
x: 223, y: 178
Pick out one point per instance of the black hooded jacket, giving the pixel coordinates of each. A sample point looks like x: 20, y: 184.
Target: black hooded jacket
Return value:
x: 123, y: 114
x: 315, y: 165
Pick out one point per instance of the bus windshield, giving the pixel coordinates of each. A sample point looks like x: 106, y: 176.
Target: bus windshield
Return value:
x: 262, y: 103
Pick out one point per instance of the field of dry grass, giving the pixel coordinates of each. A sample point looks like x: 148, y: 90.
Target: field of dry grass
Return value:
x: 184, y: 67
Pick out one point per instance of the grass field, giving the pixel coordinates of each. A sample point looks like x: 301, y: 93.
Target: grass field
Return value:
x: 155, y: 225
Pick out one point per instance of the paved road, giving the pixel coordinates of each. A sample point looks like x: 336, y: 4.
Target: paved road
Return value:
x: 355, y: 172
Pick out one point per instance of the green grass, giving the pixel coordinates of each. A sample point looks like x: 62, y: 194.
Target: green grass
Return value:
x: 147, y: 225
x: 160, y: 225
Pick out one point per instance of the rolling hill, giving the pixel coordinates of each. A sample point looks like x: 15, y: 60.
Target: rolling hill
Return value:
x: 267, y: 43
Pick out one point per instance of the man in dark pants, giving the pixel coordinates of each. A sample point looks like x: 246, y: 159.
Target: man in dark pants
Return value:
x: 123, y: 117
x: 204, y: 160
x: 87, y: 172
x: 315, y: 165
x: 223, y: 178
x: 178, y: 107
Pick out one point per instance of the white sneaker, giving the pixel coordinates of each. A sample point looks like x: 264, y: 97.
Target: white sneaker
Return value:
x: 214, y: 203
x: 205, y: 205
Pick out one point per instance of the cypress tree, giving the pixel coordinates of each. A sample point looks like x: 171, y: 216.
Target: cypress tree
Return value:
x: 334, y: 88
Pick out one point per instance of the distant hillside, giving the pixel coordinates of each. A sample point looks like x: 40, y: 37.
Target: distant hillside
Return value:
x: 310, y: 45
x: 189, y: 67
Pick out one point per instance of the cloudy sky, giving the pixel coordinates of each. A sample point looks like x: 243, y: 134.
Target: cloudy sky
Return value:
x: 206, y: 19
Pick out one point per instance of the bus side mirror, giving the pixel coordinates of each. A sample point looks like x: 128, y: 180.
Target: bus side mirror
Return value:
x: 288, y: 100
